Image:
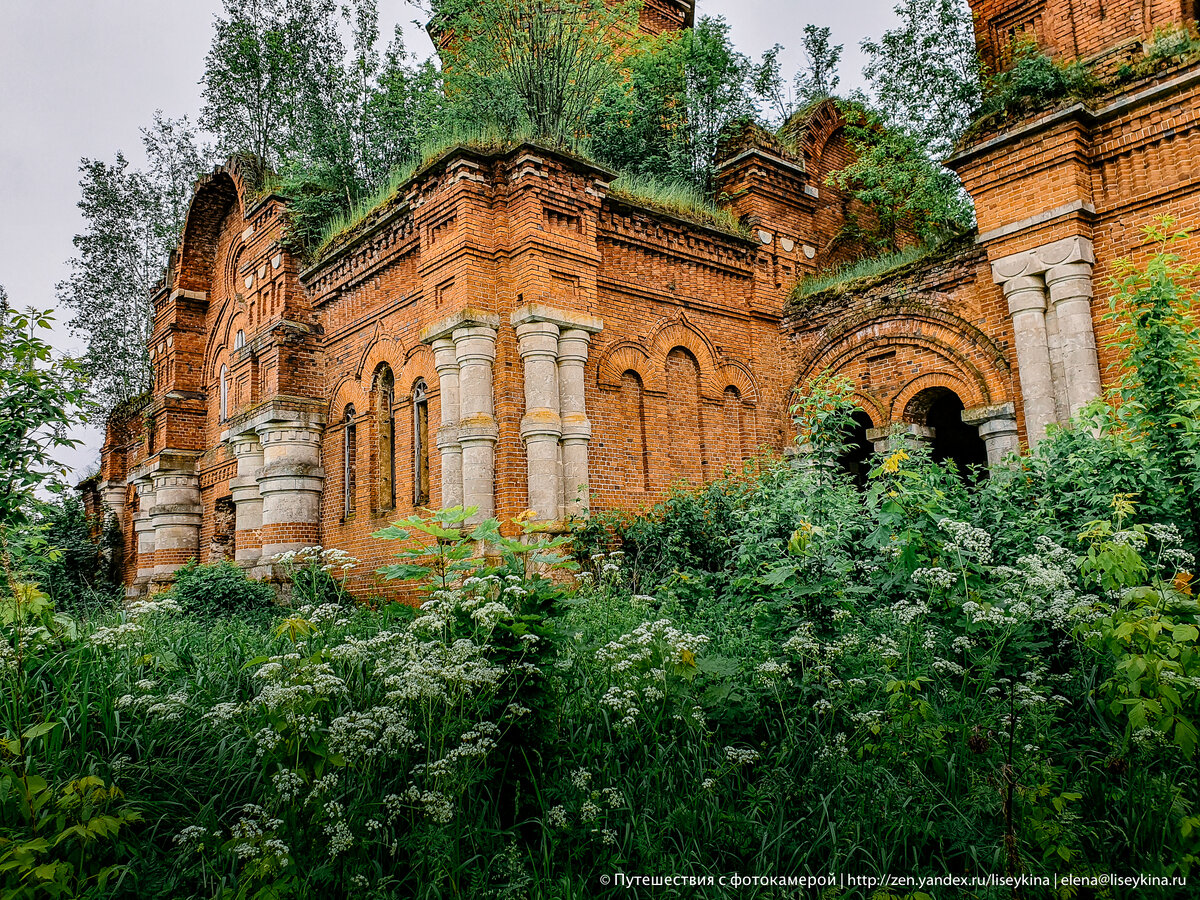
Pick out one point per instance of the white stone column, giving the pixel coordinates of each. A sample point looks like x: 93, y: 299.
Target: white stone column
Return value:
x: 1026, y: 297
x: 112, y: 497
x: 291, y: 481
x: 541, y: 428
x: 247, y: 500
x: 446, y: 364
x: 1057, y: 373
x: 176, y: 515
x: 475, y: 351
x: 143, y: 527
x: 576, y: 427
x: 997, y: 426
x: 1049, y: 292
x: 1070, y: 287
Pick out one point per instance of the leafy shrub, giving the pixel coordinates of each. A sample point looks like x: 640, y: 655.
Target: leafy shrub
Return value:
x: 77, y: 574
x: 219, y: 589
x: 1034, y: 82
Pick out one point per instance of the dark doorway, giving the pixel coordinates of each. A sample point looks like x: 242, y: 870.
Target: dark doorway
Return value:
x: 856, y: 461
x: 952, y: 438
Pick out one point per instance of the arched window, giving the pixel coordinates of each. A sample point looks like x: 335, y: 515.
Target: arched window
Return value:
x: 349, y: 454
x: 239, y: 340
x: 420, y: 396
x: 385, y: 417
x: 636, y: 462
x: 224, y: 411
x: 687, y: 449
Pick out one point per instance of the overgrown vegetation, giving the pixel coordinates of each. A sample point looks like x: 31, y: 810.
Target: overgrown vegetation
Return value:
x: 777, y: 675
x: 868, y: 268
x: 1035, y: 82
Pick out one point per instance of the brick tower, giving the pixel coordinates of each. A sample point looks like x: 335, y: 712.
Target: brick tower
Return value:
x: 1061, y: 194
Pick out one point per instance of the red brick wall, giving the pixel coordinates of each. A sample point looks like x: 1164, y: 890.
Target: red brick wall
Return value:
x: 1123, y: 162
x: 1071, y: 28
x: 934, y: 323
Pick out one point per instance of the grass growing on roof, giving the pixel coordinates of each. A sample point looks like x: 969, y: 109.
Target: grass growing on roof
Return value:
x: 476, y: 138
x: 863, y: 268
x: 675, y: 198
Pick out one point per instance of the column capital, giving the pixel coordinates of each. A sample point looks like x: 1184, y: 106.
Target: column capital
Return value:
x: 475, y: 344
x: 1070, y: 281
x: 467, y: 317
x: 1025, y: 293
x: 537, y: 339
x: 444, y: 360
x: 538, y: 312
x: 1070, y: 250
x: 979, y: 415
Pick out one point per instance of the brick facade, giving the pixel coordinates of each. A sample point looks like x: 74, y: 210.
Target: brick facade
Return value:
x: 509, y: 334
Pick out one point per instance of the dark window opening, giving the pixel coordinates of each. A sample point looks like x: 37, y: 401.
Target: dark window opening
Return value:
x: 954, y: 440
x: 420, y: 444
x: 856, y: 460
x: 385, y: 415
x: 349, y: 467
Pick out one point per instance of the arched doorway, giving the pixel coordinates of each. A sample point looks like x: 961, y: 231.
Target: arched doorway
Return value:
x: 855, y: 461
x: 940, y: 410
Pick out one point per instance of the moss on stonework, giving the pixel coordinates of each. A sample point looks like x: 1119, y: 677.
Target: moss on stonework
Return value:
x: 858, y: 275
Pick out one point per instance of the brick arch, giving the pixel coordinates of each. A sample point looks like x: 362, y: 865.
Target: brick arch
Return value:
x: 679, y: 332
x: 964, y: 352
x: 379, y: 351
x: 626, y: 356
x: 220, y: 338
x: 217, y: 194
x: 417, y: 364
x: 903, y: 400
x: 915, y: 319
x: 737, y: 375
x: 875, y: 409
x: 348, y: 390
x: 814, y: 130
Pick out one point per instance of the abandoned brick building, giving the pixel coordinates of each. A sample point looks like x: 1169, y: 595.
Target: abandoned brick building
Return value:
x: 510, y: 333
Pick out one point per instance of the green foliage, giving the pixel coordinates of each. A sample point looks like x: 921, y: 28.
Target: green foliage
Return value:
x: 219, y: 589
x: 42, y: 395
x: 903, y: 188
x: 925, y: 73
x: 58, y: 835
x: 1034, y: 82
x: 868, y: 268
x: 133, y: 219
x: 334, y: 120
x: 680, y: 91
x: 533, y: 64
x: 1158, y: 390
x: 817, y: 81
x: 66, y: 563
x: 676, y: 198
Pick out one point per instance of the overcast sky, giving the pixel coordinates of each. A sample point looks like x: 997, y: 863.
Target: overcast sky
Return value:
x: 78, y: 78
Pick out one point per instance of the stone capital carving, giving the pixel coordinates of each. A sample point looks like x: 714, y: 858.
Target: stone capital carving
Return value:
x: 467, y: 317
x: 1040, y: 260
x: 537, y: 312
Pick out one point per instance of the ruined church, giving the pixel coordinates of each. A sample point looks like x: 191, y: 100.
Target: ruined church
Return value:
x: 512, y: 334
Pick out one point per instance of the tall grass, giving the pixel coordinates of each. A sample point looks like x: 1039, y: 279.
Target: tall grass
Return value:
x: 870, y: 267
x: 676, y: 198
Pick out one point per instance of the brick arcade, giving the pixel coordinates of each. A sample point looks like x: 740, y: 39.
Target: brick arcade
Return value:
x: 511, y: 334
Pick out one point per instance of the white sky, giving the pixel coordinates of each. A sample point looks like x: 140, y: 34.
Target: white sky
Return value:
x: 80, y: 77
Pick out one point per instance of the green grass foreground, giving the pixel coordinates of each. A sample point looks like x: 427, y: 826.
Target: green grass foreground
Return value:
x: 780, y: 675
